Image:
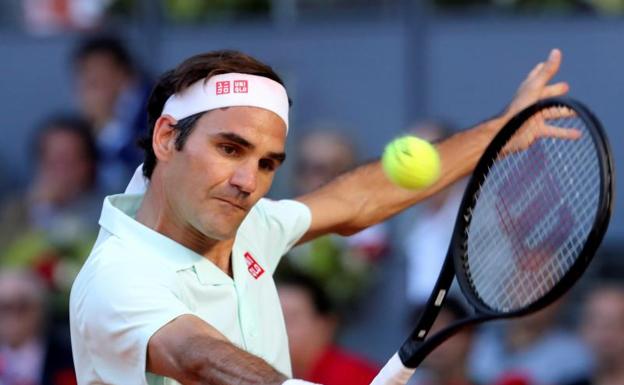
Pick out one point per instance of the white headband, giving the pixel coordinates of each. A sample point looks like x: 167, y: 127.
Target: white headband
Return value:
x: 229, y: 90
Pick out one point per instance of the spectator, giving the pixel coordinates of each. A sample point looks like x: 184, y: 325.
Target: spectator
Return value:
x: 322, y: 155
x: 311, y: 324
x: 603, y: 329
x: 343, y: 265
x: 51, y: 226
x: 112, y: 95
x: 531, y: 350
x: 29, y: 355
x: 448, y: 363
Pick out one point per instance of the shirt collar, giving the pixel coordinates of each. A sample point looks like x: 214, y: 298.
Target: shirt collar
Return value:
x: 118, y: 213
x: 118, y: 218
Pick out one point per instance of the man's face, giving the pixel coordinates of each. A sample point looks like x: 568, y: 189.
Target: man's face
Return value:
x: 226, y: 165
x: 20, y: 311
x: 100, y: 80
x: 603, y: 326
x: 308, y: 331
x: 65, y: 169
x: 322, y: 157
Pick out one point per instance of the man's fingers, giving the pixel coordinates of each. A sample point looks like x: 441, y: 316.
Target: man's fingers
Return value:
x: 560, y: 133
x: 550, y: 68
x: 557, y: 89
x: 557, y: 112
x: 535, y: 70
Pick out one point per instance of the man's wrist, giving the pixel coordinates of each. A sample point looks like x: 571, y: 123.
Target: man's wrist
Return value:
x: 495, y: 124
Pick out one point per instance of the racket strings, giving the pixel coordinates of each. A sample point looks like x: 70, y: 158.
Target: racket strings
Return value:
x: 533, y: 212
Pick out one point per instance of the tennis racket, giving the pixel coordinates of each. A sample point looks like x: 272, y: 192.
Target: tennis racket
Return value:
x: 532, y: 216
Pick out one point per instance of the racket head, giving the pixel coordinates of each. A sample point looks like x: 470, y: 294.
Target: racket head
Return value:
x: 473, y: 262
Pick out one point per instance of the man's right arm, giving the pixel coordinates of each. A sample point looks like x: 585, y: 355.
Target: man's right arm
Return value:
x: 191, y: 351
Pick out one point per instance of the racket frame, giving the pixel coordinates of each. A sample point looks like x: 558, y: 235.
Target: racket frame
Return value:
x: 416, y: 347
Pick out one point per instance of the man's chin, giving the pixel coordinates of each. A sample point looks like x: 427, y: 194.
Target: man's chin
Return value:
x: 226, y: 231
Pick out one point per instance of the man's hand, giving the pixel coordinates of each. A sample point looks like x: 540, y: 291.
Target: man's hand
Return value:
x: 536, y: 87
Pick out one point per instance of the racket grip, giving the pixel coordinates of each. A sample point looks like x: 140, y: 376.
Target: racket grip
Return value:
x: 393, y: 373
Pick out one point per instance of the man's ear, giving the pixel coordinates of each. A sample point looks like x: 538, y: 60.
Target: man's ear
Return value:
x: 164, y: 137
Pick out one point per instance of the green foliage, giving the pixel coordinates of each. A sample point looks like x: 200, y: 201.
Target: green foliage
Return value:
x: 57, y: 262
x: 201, y: 10
x: 563, y: 6
x: 342, y: 271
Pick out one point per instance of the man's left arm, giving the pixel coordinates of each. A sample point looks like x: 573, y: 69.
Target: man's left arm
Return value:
x: 365, y: 196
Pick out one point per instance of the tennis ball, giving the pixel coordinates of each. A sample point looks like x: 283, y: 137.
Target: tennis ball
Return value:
x: 411, y: 162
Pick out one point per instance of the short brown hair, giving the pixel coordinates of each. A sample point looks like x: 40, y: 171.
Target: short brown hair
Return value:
x: 188, y: 72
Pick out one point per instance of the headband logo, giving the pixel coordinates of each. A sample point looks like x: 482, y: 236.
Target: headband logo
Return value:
x: 223, y: 87
x: 240, y: 86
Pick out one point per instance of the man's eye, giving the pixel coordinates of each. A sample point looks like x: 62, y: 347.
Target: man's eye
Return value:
x: 266, y: 164
x: 228, y: 149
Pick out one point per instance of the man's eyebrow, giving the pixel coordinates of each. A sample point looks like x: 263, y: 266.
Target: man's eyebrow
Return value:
x: 276, y: 156
x: 236, y: 139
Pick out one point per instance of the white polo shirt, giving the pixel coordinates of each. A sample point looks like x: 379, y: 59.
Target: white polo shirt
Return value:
x: 136, y: 280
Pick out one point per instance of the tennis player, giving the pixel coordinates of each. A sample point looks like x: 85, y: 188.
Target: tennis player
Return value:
x: 179, y: 287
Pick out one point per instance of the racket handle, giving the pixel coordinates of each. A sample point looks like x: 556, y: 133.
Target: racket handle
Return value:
x: 393, y: 373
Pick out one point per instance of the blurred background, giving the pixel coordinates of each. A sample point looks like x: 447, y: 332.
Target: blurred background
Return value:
x: 75, y: 78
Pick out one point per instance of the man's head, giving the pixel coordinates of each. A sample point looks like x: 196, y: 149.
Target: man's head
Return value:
x: 22, y: 299
x: 310, y: 319
x: 603, y: 324
x: 322, y: 155
x: 66, y: 159
x: 103, y: 69
x: 211, y: 167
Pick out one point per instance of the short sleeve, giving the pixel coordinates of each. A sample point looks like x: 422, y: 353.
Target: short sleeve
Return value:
x: 278, y: 225
x: 117, y: 304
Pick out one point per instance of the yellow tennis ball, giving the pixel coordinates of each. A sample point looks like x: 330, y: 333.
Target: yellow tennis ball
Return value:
x: 411, y: 162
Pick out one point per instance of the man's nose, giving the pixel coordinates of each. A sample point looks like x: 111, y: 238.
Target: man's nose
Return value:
x: 245, y: 177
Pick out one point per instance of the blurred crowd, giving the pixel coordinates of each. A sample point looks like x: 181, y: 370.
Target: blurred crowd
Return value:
x: 81, y: 154
x: 49, y: 16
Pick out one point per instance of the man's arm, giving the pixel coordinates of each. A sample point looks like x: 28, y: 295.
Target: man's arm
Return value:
x: 364, y: 196
x: 191, y: 351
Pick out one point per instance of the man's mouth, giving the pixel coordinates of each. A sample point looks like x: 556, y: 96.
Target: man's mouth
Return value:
x: 232, y: 203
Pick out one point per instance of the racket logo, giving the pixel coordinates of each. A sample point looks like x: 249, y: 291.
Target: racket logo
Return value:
x: 532, y: 211
x: 252, y: 266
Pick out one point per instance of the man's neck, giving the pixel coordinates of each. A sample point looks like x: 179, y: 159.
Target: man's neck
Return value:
x: 155, y: 214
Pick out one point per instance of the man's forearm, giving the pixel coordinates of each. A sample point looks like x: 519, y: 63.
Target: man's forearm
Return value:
x: 459, y: 155
x: 217, y: 362
x: 365, y: 196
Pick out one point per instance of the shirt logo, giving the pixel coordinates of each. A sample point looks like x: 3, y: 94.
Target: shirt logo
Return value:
x: 254, y: 268
x: 223, y: 87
